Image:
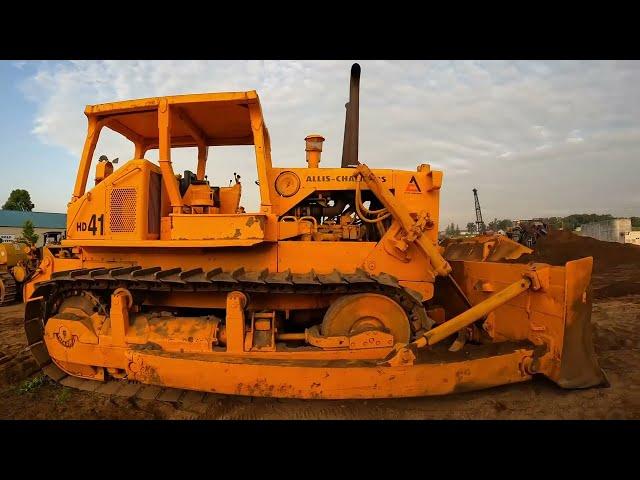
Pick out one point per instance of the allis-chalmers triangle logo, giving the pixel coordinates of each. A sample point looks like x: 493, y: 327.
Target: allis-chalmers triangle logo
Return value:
x: 412, y: 186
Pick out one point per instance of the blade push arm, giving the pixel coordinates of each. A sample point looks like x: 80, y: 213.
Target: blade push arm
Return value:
x: 404, y: 354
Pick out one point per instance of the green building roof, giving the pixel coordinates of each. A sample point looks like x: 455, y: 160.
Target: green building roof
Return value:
x: 15, y: 218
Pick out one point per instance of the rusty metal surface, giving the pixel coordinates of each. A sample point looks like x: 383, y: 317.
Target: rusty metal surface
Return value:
x: 342, y: 379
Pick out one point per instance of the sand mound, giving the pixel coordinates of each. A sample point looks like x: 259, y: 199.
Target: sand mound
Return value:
x: 611, y: 260
x: 559, y: 247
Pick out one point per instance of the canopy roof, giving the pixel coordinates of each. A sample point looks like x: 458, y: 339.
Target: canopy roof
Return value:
x: 218, y: 118
x: 16, y: 218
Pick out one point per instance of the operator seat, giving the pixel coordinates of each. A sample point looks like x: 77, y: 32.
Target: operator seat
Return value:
x: 190, y: 178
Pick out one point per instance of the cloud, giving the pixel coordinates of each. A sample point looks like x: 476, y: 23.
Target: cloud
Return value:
x: 535, y: 138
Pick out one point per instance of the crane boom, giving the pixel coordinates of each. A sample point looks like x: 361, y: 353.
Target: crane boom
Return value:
x: 479, y: 222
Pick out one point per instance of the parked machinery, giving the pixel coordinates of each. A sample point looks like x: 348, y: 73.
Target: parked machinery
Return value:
x: 53, y: 238
x: 334, y: 288
x: 17, y: 262
x: 527, y: 232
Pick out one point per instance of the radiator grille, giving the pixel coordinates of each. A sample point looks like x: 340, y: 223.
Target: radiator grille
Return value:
x: 123, y: 210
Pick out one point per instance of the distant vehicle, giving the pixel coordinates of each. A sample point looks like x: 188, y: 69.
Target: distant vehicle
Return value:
x: 527, y: 232
x: 19, y: 261
x: 53, y: 238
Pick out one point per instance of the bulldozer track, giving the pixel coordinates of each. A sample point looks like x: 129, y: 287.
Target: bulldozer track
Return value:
x: 8, y: 289
x: 175, y: 279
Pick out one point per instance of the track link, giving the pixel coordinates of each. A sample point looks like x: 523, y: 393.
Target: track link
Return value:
x: 39, y: 308
x: 8, y: 289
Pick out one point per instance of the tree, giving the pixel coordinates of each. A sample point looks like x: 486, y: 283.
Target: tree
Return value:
x: 28, y: 233
x: 504, y: 224
x: 575, y: 220
x: 555, y: 222
x: 19, y: 200
x: 452, y: 230
x: 471, y: 227
x: 449, y: 231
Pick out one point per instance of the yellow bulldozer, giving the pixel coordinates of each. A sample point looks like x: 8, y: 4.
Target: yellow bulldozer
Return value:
x: 18, y: 261
x: 335, y: 288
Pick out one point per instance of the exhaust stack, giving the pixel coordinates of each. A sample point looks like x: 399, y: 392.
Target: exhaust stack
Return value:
x: 352, y: 120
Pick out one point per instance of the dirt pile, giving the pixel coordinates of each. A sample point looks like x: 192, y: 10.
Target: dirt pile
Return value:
x: 559, y: 247
x: 611, y: 261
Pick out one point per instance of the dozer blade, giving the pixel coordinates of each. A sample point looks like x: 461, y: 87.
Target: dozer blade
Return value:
x: 555, y: 315
x: 579, y: 367
x: 484, y: 248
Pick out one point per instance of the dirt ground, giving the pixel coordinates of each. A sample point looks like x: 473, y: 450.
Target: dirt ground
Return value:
x: 616, y: 319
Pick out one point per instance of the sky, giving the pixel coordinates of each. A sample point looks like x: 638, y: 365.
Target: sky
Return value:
x: 535, y: 138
